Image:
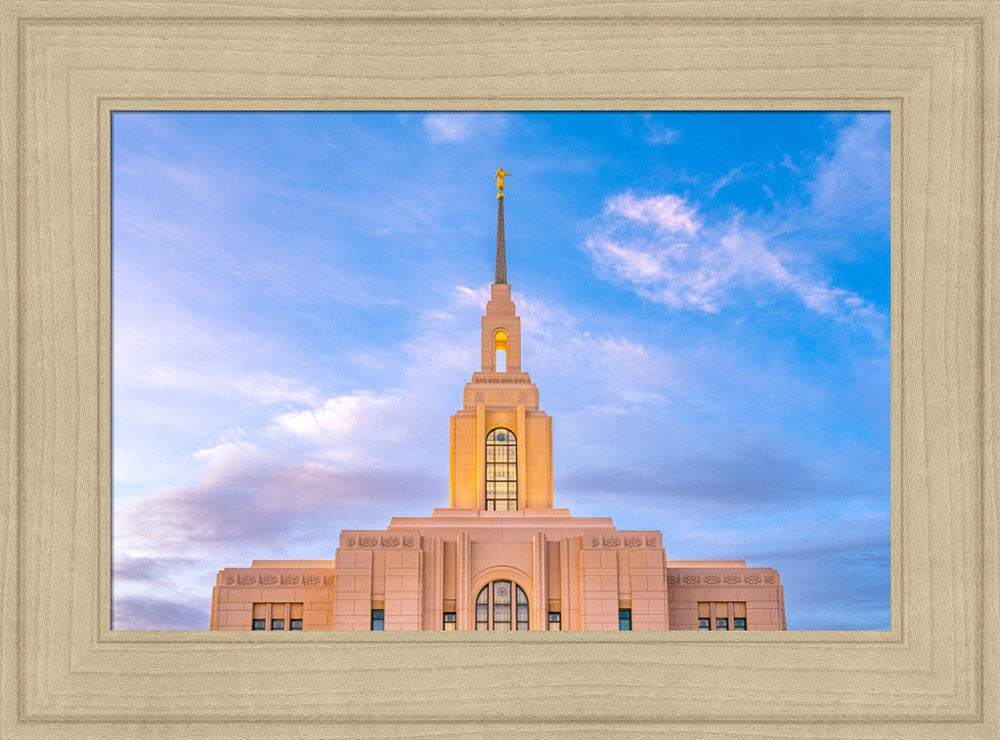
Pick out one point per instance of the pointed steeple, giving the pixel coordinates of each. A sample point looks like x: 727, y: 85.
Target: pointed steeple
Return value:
x: 501, y: 274
x: 501, y: 271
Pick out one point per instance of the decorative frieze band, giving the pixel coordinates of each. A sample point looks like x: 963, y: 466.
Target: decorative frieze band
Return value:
x: 509, y: 378
x: 631, y: 540
x: 372, y: 541
x: 275, y: 578
x: 716, y: 578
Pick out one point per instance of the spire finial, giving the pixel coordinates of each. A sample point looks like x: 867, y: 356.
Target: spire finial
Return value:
x: 500, y: 176
x: 501, y: 272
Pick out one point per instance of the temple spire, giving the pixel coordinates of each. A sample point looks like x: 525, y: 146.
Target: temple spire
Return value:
x: 501, y: 271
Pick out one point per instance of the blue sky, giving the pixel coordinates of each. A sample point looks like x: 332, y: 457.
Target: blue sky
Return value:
x: 705, y: 310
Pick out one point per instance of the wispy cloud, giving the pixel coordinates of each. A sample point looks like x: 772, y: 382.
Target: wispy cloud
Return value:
x: 736, y: 173
x: 788, y: 163
x: 150, y: 613
x: 455, y: 127
x: 683, y: 263
x: 668, y: 213
x: 657, y: 133
x: 854, y: 176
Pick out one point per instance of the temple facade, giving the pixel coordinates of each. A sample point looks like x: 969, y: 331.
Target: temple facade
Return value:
x: 500, y: 556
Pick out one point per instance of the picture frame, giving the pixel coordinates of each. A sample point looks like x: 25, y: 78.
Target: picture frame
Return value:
x: 66, y: 66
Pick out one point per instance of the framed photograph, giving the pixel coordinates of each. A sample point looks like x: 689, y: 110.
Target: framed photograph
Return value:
x: 68, y: 69
x: 690, y: 309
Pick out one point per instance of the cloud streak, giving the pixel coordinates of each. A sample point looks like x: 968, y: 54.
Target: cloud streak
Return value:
x: 659, y: 247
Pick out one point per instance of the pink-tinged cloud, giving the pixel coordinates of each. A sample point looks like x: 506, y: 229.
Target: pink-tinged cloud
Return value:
x: 158, y: 614
x: 265, y: 504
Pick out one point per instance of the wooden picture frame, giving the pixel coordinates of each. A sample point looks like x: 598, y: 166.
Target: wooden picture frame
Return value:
x: 64, y: 66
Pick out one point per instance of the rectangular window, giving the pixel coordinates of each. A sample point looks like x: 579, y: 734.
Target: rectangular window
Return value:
x: 555, y: 622
x: 722, y: 615
x: 276, y: 613
x: 449, y: 622
x: 378, y: 620
x: 625, y: 620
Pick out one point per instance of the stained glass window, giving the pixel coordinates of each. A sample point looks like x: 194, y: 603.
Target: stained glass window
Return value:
x: 522, y: 609
x: 483, y: 609
x: 501, y: 470
x: 378, y: 620
x: 494, y: 610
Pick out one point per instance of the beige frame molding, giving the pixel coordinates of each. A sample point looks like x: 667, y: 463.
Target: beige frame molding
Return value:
x: 65, y: 65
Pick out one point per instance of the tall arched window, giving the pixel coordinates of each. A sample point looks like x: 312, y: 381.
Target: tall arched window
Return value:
x: 501, y: 470
x: 494, y: 610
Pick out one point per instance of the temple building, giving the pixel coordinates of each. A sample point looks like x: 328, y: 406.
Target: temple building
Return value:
x: 501, y: 556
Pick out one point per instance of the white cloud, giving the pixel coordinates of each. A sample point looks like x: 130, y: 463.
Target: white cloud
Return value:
x: 667, y: 212
x: 339, y: 420
x: 658, y: 134
x: 708, y: 267
x: 466, y: 296
x: 855, y: 176
x: 444, y: 127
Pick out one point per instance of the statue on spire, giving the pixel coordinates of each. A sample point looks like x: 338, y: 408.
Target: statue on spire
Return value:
x: 500, y: 176
x: 501, y: 272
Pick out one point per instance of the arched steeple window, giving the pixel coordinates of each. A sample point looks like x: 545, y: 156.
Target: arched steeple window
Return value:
x: 500, y: 351
x: 501, y: 470
x: 502, y: 605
